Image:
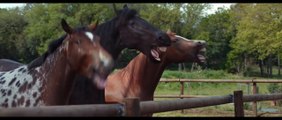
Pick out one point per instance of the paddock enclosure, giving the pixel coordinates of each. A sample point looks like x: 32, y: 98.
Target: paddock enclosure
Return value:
x: 134, y: 107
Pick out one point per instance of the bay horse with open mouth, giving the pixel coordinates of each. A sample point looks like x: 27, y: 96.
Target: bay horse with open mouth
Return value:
x: 125, y: 30
x: 77, y: 52
x: 141, y: 76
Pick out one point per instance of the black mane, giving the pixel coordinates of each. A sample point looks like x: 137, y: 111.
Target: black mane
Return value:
x: 51, y: 48
x: 108, y: 31
x: 108, y: 35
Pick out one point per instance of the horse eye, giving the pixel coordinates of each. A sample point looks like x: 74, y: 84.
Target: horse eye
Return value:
x: 175, y: 40
x: 77, y: 42
x: 132, y: 23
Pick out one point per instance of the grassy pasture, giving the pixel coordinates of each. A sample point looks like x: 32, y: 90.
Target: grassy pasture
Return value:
x: 211, y: 89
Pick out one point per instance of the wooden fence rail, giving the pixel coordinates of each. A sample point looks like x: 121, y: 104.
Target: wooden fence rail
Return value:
x: 223, y: 81
x: 170, y: 105
x: 262, y: 97
x: 66, y: 111
x: 133, y: 107
x: 254, y: 82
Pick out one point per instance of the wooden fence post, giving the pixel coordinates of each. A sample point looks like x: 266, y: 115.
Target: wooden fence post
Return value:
x: 181, y: 92
x: 255, y: 102
x: 132, y: 107
x: 238, y: 104
x: 248, y: 88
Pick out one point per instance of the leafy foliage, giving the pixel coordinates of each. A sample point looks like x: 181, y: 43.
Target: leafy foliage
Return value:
x: 258, y: 30
x: 12, y: 24
x: 252, y: 31
x: 217, y: 30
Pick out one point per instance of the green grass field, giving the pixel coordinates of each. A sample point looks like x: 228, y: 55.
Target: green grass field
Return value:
x: 211, y: 89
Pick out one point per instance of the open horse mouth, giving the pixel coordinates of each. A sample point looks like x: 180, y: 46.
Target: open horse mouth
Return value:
x: 99, y: 81
x: 201, y: 55
x: 155, y: 52
x: 99, y: 76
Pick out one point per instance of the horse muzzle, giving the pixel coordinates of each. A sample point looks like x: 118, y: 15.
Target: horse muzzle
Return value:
x: 201, y: 54
x: 102, y: 70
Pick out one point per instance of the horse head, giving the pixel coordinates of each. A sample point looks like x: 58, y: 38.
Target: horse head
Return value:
x: 135, y: 32
x: 185, y: 50
x: 85, y: 54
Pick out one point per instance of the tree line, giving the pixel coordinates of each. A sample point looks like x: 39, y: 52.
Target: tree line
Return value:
x: 237, y: 38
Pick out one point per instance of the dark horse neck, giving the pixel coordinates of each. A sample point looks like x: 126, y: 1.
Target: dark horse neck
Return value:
x: 84, y: 91
x: 56, y: 79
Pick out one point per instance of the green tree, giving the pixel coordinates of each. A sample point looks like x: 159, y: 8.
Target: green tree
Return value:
x: 259, y: 30
x: 12, y: 24
x: 217, y: 30
x: 192, y: 15
x: 44, y: 21
x: 180, y: 18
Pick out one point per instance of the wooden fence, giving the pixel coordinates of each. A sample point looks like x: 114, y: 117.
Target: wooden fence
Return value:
x: 133, y: 107
x: 248, y: 82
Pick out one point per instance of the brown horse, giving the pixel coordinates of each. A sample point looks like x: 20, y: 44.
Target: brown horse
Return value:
x: 79, y: 52
x: 141, y: 76
x: 125, y: 30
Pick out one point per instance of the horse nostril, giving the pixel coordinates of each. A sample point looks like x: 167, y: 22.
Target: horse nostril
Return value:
x: 204, y: 43
x: 160, y: 38
x: 201, y: 43
x: 107, y: 64
x: 102, y: 63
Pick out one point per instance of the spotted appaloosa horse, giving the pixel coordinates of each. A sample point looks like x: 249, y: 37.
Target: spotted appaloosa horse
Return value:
x: 78, y: 52
x: 141, y: 76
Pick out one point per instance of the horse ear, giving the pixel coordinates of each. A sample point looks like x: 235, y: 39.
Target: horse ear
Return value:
x: 115, y: 8
x: 168, y: 31
x: 125, y: 6
x: 93, y: 25
x: 171, y: 35
x: 66, y: 27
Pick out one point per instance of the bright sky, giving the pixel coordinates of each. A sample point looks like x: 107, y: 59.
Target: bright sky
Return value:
x: 213, y: 9
x: 217, y: 5
x: 11, y: 5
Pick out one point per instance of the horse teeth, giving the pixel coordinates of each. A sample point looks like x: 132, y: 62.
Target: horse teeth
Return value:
x: 158, y: 59
x: 154, y: 53
x: 203, y: 50
x: 162, y: 49
x: 201, y: 57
